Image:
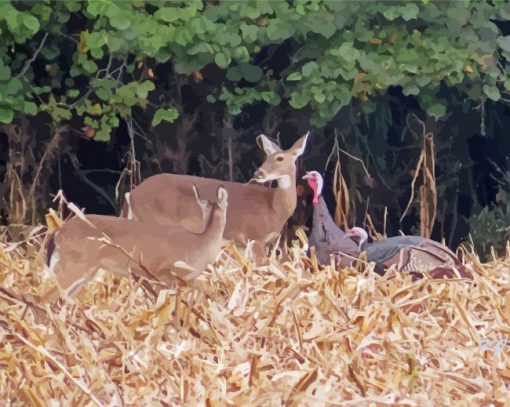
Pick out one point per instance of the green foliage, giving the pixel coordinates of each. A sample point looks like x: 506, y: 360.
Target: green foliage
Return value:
x: 491, y: 227
x: 169, y: 115
x: 341, y: 51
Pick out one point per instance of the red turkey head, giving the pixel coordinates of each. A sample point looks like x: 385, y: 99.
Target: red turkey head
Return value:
x: 358, y: 235
x: 315, y: 182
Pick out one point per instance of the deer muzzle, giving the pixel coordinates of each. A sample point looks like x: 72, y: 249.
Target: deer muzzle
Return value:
x: 260, y: 174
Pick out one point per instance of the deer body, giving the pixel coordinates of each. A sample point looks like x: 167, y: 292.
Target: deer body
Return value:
x: 275, y: 205
x: 255, y: 212
x: 145, y: 249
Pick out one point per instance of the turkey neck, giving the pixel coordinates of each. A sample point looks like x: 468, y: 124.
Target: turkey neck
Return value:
x: 322, y: 216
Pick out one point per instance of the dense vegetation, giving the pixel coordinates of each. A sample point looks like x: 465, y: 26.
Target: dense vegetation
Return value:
x: 96, y: 94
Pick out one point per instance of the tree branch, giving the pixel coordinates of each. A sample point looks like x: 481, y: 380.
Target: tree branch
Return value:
x: 85, y: 179
x: 29, y: 62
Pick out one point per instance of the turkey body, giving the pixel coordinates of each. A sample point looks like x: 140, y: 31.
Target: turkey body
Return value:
x: 328, y: 239
x: 415, y: 254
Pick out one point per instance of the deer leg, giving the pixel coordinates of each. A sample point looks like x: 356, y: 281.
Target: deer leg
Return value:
x: 67, y: 275
x: 259, y: 252
x: 75, y: 288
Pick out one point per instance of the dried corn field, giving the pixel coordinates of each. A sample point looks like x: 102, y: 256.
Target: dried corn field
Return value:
x: 289, y: 333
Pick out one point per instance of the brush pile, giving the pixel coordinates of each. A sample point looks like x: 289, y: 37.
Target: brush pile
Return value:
x: 290, y: 333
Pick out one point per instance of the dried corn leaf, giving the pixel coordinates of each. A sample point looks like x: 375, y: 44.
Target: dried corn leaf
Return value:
x: 291, y: 333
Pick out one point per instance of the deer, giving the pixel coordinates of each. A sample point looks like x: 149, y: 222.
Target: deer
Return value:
x: 86, y: 243
x: 256, y: 212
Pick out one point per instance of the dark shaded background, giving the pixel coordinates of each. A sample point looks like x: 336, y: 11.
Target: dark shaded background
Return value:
x: 472, y: 150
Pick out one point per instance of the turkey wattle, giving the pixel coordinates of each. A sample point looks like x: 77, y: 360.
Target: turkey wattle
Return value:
x: 410, y: 254
x: 327, y: 238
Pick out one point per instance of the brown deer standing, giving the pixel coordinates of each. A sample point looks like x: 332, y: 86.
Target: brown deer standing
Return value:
x: 166, y: 254
x: 255, y: 212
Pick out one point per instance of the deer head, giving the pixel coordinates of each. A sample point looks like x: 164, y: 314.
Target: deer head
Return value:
x: 279, y: 164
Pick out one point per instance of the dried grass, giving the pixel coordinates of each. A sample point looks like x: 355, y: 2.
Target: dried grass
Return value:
x: 285, y: 334
x: 427, y: 190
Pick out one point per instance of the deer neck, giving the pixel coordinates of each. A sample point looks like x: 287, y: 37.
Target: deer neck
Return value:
x: 284, y: 199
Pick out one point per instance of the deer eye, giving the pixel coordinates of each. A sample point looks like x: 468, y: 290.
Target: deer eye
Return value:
x: 279, y: 158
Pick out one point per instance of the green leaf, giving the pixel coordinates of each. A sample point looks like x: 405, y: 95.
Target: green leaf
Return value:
x: 309, y: 68
x: 298, y: 101
x: 13, y: 86
x: 30, y: 108
x: 96, y: 40
x: 492, y: 92
x: 410, y: 11
x: 114, y: 121
x: 271, y: 97
x: 199, y: 48
x: 169, y: 14
x: 127, y: 94
x: 241, y: 54
x: 95, y: 109
x: 436, y: 110
x: 222, y: 60
x: 50, y: 51
x: 143, y: 89
x: 73, y: 6
x: 279, y: 30
x: 249, y: 32
x: 391, y: 12
x: 319, y: 97
x: 294, y: 76
x: 5, y: 72
x: 411, y: 89
x: 121, y: 22
x: 6, y: 115
x: 72, y: 93
x: 169, y: 115
x: 96, y: 53
x: 346, y: 51
x: 504, y: 44
x: 116, y: 44
x: 251, y: 73
x: 250, y: 12
x: 31, y: 23
x: 103, y: 134
x: 103, y: 94
x: 89, y: 66
x: 432, y: 105
x: 234, y: 74
x: 96, y: 8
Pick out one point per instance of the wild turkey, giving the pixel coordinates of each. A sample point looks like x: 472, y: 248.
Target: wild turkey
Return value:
x: 330, y: 240
x: 412, y: 254
x: 327, y: 238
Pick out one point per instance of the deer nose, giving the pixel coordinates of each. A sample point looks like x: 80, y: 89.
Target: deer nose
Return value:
x: 260, y: 173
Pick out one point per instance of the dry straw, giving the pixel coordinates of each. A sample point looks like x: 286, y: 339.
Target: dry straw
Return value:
x: 290, y: 333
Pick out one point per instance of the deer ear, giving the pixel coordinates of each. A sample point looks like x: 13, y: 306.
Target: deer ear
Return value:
x: 299, y: 146
x: 222, y: 194
x: 195, y: 191
x: 270, y: 147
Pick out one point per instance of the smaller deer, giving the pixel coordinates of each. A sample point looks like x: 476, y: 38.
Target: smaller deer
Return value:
x: 146, y: 249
